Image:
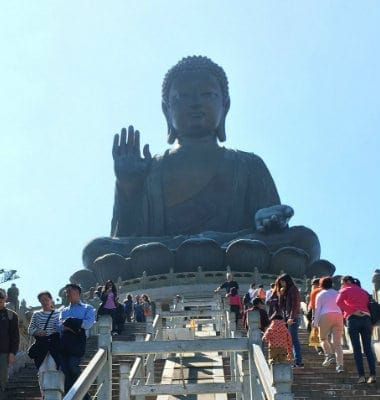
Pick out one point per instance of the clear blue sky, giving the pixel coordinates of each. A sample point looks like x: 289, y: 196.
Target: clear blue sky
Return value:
x: 304, y: 81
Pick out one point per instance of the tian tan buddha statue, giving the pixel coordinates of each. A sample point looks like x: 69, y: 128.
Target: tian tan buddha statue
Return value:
x: 199, y: 203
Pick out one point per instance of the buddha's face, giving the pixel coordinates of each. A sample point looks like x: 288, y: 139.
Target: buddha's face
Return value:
x: 196, y: 106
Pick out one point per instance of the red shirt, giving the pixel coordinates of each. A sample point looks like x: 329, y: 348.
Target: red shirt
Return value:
x: 352, y: 298
x: 234, y: 300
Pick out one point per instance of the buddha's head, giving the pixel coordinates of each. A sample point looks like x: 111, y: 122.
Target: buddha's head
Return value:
x: 195, y: 99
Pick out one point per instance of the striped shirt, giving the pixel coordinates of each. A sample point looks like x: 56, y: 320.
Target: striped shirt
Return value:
x: 39, y: 319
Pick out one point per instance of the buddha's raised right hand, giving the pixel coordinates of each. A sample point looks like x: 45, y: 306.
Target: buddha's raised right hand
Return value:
x: 130, y: 167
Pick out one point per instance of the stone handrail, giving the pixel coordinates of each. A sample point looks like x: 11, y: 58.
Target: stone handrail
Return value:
x: 252, y: 377
x: 88, y: 376
x: 265, y: 382
x: 175, y: 279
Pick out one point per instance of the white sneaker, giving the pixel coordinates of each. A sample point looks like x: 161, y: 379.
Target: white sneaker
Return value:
x: 328, y: 360
x: 372, y: 379
x: 339, y: 369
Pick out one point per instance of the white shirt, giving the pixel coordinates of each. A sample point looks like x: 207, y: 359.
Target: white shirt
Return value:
x: 252, y: 293
x: 325, y: 303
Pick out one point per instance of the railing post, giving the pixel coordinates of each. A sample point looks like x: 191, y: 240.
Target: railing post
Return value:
x: 140, y: 375
x: 254, y: 335
x: 233, y: 361
x: 246, y: 380
x: 217, y: 320
x: 104, y: 340
x: 149, y: 367
x: 254, y: 332
x: 149, y: 325
x: 228, y: 324
x: 177, y: 305
x: 282, y: 380
x: 54, y: 385
x: 125, y: 383
x: 158, y: 334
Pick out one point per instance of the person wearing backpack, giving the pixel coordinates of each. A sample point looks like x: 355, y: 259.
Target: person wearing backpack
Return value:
x: 9, y: 339
x: 353, y: 301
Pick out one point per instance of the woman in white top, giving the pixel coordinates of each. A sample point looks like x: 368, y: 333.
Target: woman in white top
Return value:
x: 44, y: 328
x: 329, y: 319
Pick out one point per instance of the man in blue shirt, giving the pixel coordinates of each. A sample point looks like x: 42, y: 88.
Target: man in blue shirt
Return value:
x: 75, y: 320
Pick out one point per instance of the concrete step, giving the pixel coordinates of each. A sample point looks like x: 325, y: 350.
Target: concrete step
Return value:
x: 317, y: 382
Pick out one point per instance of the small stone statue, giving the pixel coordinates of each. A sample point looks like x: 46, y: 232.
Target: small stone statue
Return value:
x: 13, y: 294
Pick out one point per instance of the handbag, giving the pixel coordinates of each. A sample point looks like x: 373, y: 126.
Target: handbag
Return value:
x: 34, y: 349
x: 313, y: 338
x: 39, y: 343
x: 147, y: 312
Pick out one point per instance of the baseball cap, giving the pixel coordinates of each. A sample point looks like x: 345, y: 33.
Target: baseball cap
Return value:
x: 3, y: 294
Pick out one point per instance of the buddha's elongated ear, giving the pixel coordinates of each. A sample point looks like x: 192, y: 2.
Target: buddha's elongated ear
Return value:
x: 221, y: 129
x: 172, y: 134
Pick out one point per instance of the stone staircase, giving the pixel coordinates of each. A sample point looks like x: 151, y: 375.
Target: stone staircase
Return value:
x: 24, y: 384
x: 312, y: 382
x: 317, y: 382
x: 132, y: 331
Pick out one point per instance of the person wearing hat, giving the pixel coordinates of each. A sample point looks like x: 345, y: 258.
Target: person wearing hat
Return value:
x: 9, y: 339
x: 75, y: 321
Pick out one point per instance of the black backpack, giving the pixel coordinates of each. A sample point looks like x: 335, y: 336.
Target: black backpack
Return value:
x: 246, y: 298
x: 374, y: 309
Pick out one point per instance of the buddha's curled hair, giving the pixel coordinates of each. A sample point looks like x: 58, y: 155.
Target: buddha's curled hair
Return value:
x: 190, y: 64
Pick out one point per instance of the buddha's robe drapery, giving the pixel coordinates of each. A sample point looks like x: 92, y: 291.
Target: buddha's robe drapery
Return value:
x: 226, y: 202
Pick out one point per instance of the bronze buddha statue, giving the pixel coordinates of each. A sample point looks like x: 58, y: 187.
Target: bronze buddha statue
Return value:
x: 197, y: 189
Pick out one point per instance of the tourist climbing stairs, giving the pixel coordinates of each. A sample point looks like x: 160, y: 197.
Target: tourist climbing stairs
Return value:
x: 186, y: 369
x: 317, y: 382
